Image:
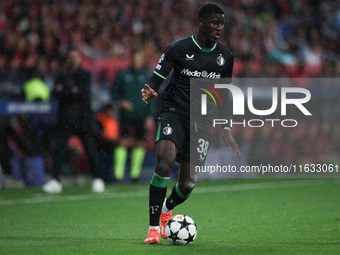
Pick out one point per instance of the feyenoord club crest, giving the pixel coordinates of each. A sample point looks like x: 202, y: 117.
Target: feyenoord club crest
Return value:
x: 220, y: 60
x: 167, y: 130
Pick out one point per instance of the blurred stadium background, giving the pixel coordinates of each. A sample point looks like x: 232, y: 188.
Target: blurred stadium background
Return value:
x: 274, y: 38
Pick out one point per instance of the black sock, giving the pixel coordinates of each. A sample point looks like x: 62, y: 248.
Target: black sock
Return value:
x: 175, y: 198
x: 156, y: 199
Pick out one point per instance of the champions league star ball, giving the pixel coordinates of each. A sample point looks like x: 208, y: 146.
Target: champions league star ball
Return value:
x: 181, y: 230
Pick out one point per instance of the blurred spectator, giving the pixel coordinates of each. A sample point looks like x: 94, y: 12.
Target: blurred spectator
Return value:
x: 249, y: 70
x: 264, y: 30
x: 329, y: 70
x: 72, y: 90
x: 43, y: 70
x: 27, y: 135
x: 135, y: 116
x: 27, y: 163
x: 14, y: 78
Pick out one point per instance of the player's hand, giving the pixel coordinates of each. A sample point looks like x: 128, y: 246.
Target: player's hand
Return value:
x: 148, y: 93
x: 230, y: 142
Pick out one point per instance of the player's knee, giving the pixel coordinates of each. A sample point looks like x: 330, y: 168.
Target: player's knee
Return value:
x: 187, y: 187
x: 163, y: 167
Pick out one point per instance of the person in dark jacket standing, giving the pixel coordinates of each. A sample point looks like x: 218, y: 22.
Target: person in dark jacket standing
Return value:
x: 72, y: 90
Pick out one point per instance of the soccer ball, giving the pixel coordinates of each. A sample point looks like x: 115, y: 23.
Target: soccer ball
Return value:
x: 180, y: 230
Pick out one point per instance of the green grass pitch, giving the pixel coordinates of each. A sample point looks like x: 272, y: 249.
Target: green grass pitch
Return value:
x: 291, y: 216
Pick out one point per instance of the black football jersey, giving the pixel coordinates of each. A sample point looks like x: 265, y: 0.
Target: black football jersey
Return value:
x: 189, y: 60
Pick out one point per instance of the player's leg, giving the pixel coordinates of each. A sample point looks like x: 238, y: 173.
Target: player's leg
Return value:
x: 166, y: 152
x: 182, y: 190
x: 194, y: 151
x: 169, y: 143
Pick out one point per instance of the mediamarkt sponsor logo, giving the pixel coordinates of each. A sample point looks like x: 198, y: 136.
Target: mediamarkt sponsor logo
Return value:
x: 203, y: 74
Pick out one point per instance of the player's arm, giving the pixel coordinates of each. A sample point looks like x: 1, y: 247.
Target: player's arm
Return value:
x: 230, y: 141
x: 160, y: 73
x: 223, y: 112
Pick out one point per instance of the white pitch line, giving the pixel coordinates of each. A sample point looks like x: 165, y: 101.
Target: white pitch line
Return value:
x: 210, y: 189
x: 57, y: 198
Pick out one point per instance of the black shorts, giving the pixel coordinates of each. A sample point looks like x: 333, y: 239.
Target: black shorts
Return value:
x: 191, y: 138
x: 132, y: 128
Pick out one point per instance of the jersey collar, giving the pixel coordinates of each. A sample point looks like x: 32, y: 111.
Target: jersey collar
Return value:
x: 201, y: 48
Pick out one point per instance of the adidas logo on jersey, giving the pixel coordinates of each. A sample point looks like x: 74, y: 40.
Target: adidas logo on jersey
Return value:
x: 203, y: 74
